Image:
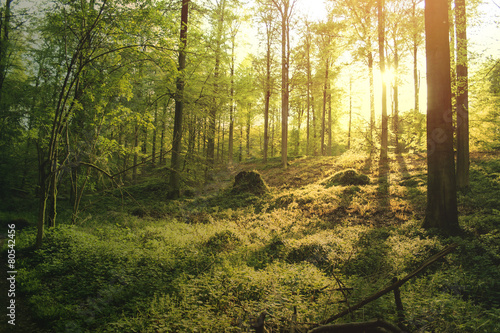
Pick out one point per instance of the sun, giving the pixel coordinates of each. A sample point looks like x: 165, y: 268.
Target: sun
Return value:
x: 388, y: 76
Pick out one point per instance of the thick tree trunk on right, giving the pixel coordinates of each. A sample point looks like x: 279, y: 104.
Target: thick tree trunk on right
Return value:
x: 441, y: 212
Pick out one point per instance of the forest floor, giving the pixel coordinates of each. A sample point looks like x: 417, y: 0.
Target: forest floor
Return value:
x: 304, y: 251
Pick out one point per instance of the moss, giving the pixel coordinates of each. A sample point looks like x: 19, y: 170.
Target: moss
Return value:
x: 347, y: 177
x: 222, y: 241
x: 249, y: 182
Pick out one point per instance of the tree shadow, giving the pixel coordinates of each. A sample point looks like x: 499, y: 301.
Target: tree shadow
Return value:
x: 383, y: 192
x: 415, y: 196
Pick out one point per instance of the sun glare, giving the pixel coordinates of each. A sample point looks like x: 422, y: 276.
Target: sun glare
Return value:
x: 314, y: 10
x: 388, y: 76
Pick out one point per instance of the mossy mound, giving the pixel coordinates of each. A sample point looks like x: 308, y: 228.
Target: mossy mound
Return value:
x: 222, y: 241
x: 249, y: 182
x: 347, y: 177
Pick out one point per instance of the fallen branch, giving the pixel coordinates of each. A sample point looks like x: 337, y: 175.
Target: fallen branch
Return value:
x: 395, y: 285
x: 367, y: 326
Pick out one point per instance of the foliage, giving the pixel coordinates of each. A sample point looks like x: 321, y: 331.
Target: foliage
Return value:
x: 204, y: 265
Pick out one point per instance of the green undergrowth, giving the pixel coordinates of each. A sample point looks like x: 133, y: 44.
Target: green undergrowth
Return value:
x: 214, y: 263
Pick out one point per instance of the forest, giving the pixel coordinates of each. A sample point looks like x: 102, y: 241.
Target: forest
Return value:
x: 250, y: 166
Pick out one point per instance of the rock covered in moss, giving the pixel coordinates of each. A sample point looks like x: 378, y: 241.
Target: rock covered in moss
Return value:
x: 249, y: 182
x: 347, y: 177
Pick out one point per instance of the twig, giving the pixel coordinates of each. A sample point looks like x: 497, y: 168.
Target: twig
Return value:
x: 395, y: 285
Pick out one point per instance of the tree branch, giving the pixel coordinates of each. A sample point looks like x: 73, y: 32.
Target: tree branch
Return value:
x: 395, y: 285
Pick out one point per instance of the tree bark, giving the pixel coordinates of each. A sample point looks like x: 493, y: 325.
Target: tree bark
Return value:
x: 323, y: 115
x: 267, y: 92
x: 441, y: 211
x: 416, y: 85
x: 350, y: 115
x: 231, y: 106
x: 381, y: 47
x: 179, y: 104
x: 372, y: 103
x: 462, y: 97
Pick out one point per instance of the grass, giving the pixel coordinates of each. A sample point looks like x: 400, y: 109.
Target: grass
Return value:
x: 214, y: 262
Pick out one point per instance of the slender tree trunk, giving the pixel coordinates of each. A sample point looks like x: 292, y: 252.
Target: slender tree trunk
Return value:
x: 313, y: 126
x: 285, y: 9
x: 249, y: 124
x: 4, y: 46
x: 53, y: 193
x: 381, y: 47
x: 329, y: 129
x: 42, y: 203
x: 153, y: 143
x: 323, y: 115
x: 441, y: 212
x: 267, y: 92
x: 372, y: 103
x: 416, y: 84
x: 216, y: 100
x: 284, y: 88
x: 299, y: 120
x: 350, y: 115
x: 396, y: 96
x: 462, y: 98
x: 136, y: 144
x: 179, y: 104
x: 308, y: 55
x: 231, y: 106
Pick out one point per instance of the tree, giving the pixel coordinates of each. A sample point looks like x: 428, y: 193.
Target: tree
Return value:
x: 462, y: 96
x: 266, y: 14
x: 179, y: 104
x: 285, y: 8
x: 381, y: 43
x: 416, y: 40
x: 441, y: 211
x: 360, y: 14
x: 5, y: 28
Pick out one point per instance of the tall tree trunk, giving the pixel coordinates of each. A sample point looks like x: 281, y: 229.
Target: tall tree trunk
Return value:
x: 308, y: 55
x: 323, y: 115
x: 249, y: 124
x: 136, y: 144
x: 216, y: 100
x: 299, y: 120
x: 153, y: 143
x: 462, y: 98
x: 350, y: 115
x: 441, y: 212
x: 416, y: 84
x: 285, y: 9
x: 395, y: 121
x: 267, y: 93
x: 231, y: 105
x: 313, y: 125
x: 42, y: 201
x: 372, y: 103
x: 381, y: 48
x: 329, y: 127
x: 4, y: 46
x: 179, y: 105
x: 284, y: 88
